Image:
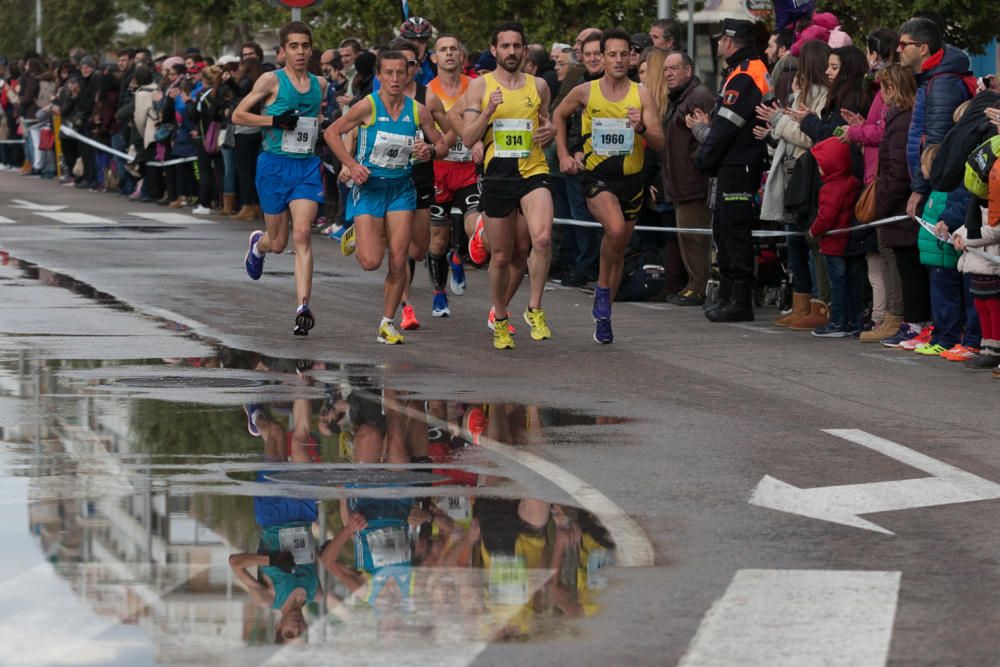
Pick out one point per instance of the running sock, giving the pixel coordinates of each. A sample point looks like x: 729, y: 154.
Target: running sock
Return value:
x: 437, y: 266
x: 386, y: 320
x: 304, y: 306
x: 256, y: 253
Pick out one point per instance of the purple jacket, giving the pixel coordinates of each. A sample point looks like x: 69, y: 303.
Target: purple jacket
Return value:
x: 869, y: 135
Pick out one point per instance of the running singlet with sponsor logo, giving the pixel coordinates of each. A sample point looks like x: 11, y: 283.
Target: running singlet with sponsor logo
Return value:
x: 300, y: 142
x: 458, y: 152
x: 611, y: 147
x: 510, y: 151
x: 386, y: 144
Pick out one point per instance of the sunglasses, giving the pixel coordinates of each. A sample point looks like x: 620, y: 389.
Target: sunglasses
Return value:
x: 901, y: 44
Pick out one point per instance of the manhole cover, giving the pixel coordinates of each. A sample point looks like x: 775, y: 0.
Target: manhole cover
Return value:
x: 178, y: 381
x: 362, y: 477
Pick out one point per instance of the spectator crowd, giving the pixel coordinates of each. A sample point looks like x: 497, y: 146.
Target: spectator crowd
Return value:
x: 890, y: 128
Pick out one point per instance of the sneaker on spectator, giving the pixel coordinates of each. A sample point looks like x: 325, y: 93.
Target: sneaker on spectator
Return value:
x: 931, y: 350
x: 906, y: 331
x: 922, y: 339
x: 831, y: 330
x: 201, y: 210
x: 987, y: 359
x: 960, y: 352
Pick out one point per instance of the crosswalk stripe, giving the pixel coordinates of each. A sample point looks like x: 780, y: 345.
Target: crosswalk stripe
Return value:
x: 173, y: 218
x: 71, y: 218
x: 5, y: 221
x: 778, y: 618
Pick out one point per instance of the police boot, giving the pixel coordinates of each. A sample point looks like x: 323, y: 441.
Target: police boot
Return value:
x: 740, y: 306
x: 723, y: 295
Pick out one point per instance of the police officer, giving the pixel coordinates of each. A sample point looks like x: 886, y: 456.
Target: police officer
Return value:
x: 735, y: 158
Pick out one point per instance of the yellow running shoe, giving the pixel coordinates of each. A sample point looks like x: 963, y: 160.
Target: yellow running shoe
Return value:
x: 388, y: 334
x: 502, y: 340
x: 347, y: 242
x: 536, y: 320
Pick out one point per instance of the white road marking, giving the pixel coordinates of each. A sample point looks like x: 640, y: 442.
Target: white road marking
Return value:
x: 31, y: 206
x: 844, y: 504
x: 173, y: 218
x: 5, y: 221
x: 799, y: 618
x: 758, y: 329
x: 632, y: 546
x: 71, y: 218
x: 889, y: 358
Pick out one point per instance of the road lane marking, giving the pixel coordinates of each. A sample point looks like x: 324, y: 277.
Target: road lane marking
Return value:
x: 844, y: 504
x: 799, y: 618
x: 889, y: 358
x: 6, y: 221
x: 71, y: 218
x: 173, y: 218
x: 32, y: 206
x: 766, y: 329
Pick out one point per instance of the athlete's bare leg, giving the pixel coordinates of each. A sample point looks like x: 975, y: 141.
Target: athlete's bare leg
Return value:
x: 502, y: 237
x: 538, y: 212
x: 398, y: 225
x: 519, y: 264
x: 419, y: 242
x: 303, y: 212
x: 617, y: 232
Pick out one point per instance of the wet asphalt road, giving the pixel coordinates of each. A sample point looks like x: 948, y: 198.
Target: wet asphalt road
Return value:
x: 712, y: 409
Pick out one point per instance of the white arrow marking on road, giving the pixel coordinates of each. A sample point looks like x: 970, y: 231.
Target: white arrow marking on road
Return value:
x: 173, y: 218
x: 71, y: 218
x: 844, y: 504
x: 31, y: 206
x: 5, y: 221
x: 798, y: 618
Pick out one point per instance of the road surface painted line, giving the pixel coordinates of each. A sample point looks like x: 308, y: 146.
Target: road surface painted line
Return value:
x: 173, y: 218
x: 632, y: 545
x: 766, y: 329
x: 799, y: 618
x: 889, y: 358
x: 32, y: 206
x: 845, y: 504
x: 5, y: 221
x: 70, y: 218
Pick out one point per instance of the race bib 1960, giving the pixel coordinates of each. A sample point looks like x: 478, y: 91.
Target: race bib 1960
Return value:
x: 612, y: 136
x: 512, y: 137
x: 302, y: 139
x: 391, y: 151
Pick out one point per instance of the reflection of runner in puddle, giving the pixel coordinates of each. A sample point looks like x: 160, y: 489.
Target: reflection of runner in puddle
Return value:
x: 286, y: 556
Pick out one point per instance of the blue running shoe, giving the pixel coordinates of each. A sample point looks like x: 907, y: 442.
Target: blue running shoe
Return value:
x: 905, y: 332
x: 602, y: 331
x: 441, y: 308
x: 252, y: 410
x: 338, y: 232
x: 602, y: 303
x: 457, y: 279
x: 253, y: 263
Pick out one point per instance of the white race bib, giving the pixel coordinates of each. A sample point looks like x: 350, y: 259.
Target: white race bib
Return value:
x: 512, y: 137
x: 458, y: 508
x: 391, y: 151
x: 611, y: 136
x: 458, y: 152
x: 299, y: 542
x: 389, y: 546
x: 302, y: 139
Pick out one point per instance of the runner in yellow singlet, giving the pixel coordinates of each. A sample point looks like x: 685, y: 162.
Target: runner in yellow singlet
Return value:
x: 619, y: 121
x: 508, y: 111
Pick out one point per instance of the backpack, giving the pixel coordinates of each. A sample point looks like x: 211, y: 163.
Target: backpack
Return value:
x: 802, y: 191
x: 979, y: 165
x: 643, y: 275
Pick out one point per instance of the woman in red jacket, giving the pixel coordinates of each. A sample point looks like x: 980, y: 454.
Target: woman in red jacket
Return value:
x: 837, y: 197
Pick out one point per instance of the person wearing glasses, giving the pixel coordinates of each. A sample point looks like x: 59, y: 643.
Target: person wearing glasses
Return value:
x: 944, y: 81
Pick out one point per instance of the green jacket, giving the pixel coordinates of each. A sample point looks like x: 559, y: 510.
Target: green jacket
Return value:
x: 934, y: 251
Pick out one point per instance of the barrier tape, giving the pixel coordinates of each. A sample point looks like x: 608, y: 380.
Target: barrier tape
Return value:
x: 73, y: 134
x: 975, y: 251
x: 11, y: 141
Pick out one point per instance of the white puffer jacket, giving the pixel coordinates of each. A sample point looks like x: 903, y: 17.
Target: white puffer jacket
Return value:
x: 990, y: 244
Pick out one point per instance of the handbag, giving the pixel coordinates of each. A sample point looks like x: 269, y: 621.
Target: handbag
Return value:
x: 46, y: 139
x: 229, y: 138
x: 211, y: 143
x: 864, y: 210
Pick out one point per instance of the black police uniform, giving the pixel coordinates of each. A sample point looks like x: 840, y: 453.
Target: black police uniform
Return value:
x: 736, y: 159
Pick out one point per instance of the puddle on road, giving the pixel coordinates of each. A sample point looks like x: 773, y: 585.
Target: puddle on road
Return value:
x: 239, y: 508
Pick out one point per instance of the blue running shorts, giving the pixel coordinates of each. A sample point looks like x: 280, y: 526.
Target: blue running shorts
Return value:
x: 282, y: 179
x: 378, y: 196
